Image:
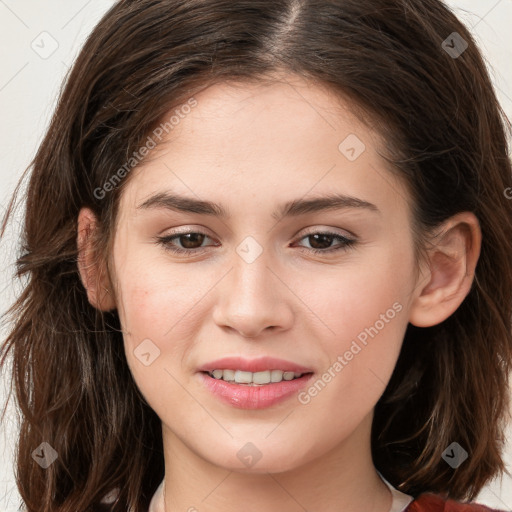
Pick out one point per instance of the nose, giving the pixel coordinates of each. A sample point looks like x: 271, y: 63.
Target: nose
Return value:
x: 252, y: 299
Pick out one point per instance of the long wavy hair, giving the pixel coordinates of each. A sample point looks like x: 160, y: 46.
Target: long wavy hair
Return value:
x: 447, y: 138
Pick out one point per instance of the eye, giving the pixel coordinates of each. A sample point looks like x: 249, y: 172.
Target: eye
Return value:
x: 320, y: 242
x: 190, y: 242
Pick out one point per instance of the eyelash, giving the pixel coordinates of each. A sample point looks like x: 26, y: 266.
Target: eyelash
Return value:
x: 346, y: 243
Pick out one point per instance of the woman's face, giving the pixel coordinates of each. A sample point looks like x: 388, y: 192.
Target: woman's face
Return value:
x: 250, y: 284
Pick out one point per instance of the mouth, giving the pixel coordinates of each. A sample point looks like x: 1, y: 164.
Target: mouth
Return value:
x: 255, y: 365
x: 262, y: 378
x: 251, y: 395
x: 255, y: 383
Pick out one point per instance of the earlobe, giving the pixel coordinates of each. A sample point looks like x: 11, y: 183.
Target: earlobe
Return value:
x: 91, y: 266
x: 452, y: 263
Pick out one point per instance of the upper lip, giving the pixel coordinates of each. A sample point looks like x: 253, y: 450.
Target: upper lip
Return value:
x: 259, y: 364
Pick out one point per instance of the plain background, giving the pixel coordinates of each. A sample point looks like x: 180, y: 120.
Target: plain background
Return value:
x: 29, y: 84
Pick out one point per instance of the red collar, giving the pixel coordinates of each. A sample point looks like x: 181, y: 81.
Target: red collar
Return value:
x: 428, y: 502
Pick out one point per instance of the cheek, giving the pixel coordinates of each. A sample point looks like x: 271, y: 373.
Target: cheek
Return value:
x: 152, y: 294
x: 355, y: 295
x: 365, y: 309
x: 158, y: 301
x: 151, y: 312
x: 143, y: 310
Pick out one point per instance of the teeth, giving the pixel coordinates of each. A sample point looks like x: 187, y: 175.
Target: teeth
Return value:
x: 229, y: 374
x: 217, y: 374
x: 243, y: 377
x: 276, y: 376
x: 256, y: 379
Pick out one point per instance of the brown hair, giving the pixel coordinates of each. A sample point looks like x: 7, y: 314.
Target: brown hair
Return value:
x: 447, y: 137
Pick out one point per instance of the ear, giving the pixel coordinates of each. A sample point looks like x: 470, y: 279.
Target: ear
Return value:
x: 92, y: 268
x: 451, y: 268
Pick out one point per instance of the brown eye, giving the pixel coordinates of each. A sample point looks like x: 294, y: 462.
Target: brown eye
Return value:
x: 321, y: 242
x: 190, y: 242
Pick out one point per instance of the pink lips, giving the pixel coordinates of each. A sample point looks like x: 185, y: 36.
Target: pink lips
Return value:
x: 253, y: 365
x: 254, y: 397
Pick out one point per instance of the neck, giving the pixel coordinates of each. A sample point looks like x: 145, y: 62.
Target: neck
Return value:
x: 343, y: 478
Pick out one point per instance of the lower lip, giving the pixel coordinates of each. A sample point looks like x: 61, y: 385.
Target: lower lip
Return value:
x: 254, y: 397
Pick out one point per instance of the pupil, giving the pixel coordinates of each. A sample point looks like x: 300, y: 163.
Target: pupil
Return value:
x: 189, y: 240
x: 320, y: 236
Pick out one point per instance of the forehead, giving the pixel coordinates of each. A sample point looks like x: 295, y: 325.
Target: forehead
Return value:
x: 272, y: 141
x: 290, y: 105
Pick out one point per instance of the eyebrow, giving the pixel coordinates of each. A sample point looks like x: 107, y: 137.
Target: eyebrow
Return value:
x: 290, y: 209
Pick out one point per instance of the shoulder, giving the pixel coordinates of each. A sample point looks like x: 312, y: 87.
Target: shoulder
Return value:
x: 429, y: 502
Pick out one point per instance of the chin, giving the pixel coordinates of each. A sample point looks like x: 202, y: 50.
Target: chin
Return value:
x: 250, y: 460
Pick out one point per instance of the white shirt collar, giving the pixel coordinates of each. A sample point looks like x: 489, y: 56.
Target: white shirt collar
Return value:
x: 400, y: 499
x: 399, y: 504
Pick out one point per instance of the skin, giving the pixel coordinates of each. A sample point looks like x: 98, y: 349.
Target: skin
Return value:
x: 251, y: 148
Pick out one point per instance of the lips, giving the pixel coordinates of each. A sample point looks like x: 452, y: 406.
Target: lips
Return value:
x: 242, y: 396
x: 254, y: 365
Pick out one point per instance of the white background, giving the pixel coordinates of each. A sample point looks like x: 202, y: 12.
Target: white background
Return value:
x: 29, y: 86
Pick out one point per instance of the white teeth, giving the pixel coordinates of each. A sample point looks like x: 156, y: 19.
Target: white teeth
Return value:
x: 257, y: 378
x: 217, y: 374
x: 243, y: 377
x: 228, y: 375
x: 276, y: 376
x: 261, y: 377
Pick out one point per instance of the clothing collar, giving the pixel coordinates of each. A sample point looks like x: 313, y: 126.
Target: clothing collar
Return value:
x: 399, y: 504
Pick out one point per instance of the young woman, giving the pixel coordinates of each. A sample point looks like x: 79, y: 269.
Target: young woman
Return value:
x: 266, y: 262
